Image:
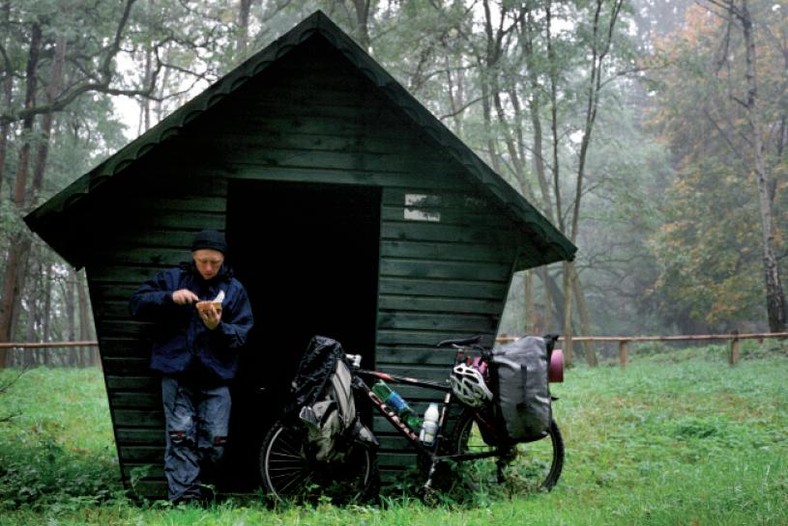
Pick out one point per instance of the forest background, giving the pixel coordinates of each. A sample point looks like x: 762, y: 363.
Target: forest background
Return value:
x: 652, y: 133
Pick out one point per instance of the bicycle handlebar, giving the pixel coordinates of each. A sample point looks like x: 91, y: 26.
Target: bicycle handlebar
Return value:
x: 354, y: 359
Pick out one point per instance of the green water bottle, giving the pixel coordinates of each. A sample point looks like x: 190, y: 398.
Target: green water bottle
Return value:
x: 392, y: 399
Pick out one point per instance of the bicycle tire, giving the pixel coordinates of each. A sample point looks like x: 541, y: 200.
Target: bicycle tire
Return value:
x: 533, y: 466
x: 291, y: 474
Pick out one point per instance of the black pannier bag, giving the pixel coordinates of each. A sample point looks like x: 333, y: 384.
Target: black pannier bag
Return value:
x: 520, y: 385
x: 322, y: 390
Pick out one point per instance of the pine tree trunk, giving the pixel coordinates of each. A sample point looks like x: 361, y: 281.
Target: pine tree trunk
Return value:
x: 585, y: 319
x: 86, y: 329
x: 567, y: 332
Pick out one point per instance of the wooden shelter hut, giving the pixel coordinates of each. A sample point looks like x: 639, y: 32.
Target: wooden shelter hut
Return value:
x: 350, y: 211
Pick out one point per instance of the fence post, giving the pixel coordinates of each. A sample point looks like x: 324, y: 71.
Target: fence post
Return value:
x: 623, y: 352
x: 734, y: 357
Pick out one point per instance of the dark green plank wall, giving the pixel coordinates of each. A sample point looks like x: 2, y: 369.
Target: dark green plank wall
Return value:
x: 155, y: 239
x: 445, y: 262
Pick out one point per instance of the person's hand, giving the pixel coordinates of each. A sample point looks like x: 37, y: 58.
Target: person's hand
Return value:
x: 209, y: 314
x: 184, y: 296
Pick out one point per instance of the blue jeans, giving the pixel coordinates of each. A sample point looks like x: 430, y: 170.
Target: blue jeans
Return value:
x: 197, y: 420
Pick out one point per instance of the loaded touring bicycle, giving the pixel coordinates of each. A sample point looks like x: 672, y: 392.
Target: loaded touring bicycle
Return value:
x: 495, y: 415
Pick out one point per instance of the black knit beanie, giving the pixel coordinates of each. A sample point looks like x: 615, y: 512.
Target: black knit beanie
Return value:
x: 210, y: 239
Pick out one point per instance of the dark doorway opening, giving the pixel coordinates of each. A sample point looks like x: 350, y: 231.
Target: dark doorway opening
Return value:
x: 308, y: 255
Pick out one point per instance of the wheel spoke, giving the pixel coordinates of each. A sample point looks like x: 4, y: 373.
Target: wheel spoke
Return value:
x: 288, y: 472
x: 535, y: 465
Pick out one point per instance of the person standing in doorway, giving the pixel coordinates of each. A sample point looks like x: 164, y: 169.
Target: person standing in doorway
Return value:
x: 202, y: 316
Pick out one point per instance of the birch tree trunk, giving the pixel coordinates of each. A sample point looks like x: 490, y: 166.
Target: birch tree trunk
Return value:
x: 755, y: 154
x: 775, y: 296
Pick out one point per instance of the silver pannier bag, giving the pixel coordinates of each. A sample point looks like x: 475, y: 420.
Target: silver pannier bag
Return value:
x: 519, y: 376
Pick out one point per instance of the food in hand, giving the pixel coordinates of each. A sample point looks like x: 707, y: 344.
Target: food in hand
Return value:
x: 203, y: 306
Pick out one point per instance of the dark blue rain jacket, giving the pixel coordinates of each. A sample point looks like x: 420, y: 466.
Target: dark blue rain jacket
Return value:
x: 181, y: 341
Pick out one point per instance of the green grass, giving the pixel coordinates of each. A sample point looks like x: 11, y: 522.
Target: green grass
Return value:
x: 679, y: 437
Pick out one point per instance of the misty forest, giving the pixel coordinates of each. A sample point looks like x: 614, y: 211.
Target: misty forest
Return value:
x: 651, y: 133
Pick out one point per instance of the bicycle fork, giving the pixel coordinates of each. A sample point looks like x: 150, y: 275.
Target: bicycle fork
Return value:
x: 434, y: 457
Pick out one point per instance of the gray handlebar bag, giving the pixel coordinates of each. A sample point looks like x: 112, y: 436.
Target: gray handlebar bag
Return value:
x: 522, y: 393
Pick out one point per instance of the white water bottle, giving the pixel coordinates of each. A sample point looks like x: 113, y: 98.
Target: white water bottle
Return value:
x: 429, y: 427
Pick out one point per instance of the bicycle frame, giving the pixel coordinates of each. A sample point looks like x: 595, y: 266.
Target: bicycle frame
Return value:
x: 448, y: 401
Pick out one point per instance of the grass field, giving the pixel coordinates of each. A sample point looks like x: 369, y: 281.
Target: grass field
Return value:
x: 679, y: 437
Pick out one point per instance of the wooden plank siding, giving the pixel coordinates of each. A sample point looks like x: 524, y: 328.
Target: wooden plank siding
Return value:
x: 445, y: 262
x: 445, y: 268
x: 311, y: 111
x: 437, y: 280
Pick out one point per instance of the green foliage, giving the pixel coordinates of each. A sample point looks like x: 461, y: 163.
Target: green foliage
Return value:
x: 56, y: 455
x: 710, y: 249
x: 710, y: 264
x: 709, y: 275
x: 677, y: 438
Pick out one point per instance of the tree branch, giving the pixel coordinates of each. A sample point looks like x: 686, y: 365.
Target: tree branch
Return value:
x: 101, y: 83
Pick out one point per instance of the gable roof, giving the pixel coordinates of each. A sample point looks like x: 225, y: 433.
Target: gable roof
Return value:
x: 47, y: 219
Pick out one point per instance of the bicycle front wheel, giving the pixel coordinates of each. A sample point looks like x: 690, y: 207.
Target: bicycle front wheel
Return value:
x: 531, y: 466
x: 291, y: 473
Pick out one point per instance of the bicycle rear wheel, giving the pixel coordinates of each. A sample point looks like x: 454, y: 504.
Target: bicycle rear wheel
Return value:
x: 290, y: 472
x: 532, y: 466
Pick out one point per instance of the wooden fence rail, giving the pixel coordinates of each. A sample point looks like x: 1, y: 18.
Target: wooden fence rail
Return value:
x: 84, y: 353
x: 623, y: 342
x: 47, y: 345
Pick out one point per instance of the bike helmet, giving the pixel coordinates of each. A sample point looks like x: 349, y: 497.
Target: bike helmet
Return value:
x: 468, y: 385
